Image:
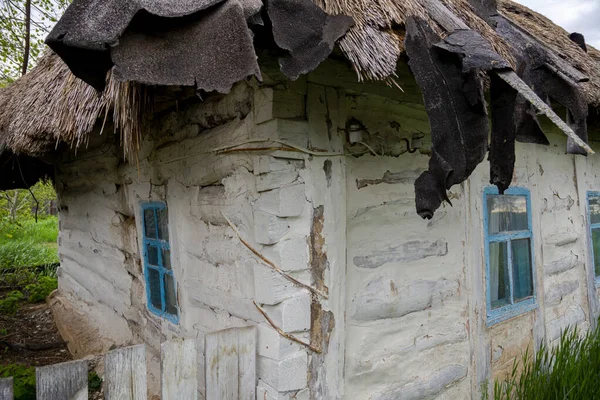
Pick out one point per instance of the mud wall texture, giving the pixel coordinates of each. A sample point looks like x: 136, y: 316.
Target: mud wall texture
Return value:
x: 317, y: 177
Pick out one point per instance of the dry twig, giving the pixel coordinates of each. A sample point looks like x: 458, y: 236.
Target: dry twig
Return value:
x: 270, y: 263
x: 284, y: 334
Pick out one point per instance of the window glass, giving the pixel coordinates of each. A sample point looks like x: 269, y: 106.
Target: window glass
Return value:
x: 594, y: 208
x: 154, y: 286
x: 511, y: 285
x: 499, y: 280
x: 153, y: 255
x: 522, y: 279
x: 507, y: 213
x: 166, y: 257
x: 161, y: 293
x: 170, y: 295
x: 150, y: 223
x: 596, y: 249
x: 163, y: 228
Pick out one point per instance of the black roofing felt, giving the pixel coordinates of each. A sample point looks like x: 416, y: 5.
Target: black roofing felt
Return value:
x: 208, y: 39
x: 208, y: 44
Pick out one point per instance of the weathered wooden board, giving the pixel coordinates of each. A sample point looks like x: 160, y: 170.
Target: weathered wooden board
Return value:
x: 231, y: 364
x: 6, y: 388
x: 125, y: 374
x: 66, y: 381
x: 179, y: 370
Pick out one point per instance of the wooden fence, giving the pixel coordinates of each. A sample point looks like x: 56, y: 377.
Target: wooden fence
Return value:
x: 230, y: 371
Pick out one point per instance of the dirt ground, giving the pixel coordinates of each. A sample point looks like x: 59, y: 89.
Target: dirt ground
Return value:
x: 31, y: 338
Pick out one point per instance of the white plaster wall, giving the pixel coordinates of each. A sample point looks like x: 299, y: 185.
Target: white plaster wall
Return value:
x: 274, y: 198
x: 407, y: 333
x: 404, y: 315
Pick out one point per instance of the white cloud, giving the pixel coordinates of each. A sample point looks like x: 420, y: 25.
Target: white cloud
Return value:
x: 581, y: 16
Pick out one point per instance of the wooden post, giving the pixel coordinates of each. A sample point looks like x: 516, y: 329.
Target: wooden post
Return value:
x: 66, y: 381
x: 231, y: 364
x: 125, y: 374
x: 6, y: 388
x: 179, y: 370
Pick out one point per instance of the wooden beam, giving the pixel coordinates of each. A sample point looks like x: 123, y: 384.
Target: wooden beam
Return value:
x: 555, y: 63
x: 450, y: 22
x: 443, y: 16
x: 517, y: 83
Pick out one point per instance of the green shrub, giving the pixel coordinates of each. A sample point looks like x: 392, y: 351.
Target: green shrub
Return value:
x: 41, y: 289
x: 569, y: 370
x: 23, y: 380
x: 94, y: 381
x: 10, y: 304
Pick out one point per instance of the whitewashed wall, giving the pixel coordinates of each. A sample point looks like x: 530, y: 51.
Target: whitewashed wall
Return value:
x: 404, y: 315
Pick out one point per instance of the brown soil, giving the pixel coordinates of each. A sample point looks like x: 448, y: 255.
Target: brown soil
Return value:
x: 32, y: 327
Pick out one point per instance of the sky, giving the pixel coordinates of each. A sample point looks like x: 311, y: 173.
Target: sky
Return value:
x: 581, y: 16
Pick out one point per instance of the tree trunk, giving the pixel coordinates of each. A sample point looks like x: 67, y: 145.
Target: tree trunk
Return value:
x: 27, y: 36
x: 14, y: 206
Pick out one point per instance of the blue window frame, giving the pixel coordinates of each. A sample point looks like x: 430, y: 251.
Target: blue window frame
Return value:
x: 510, y: 267
x: 593, y: 203
x: 161, y: 288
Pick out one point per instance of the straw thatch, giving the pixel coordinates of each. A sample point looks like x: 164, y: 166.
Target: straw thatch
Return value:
x: 49, y: 105
x: 557, y: 39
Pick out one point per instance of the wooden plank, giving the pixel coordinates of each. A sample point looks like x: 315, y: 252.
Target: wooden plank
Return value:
x: 517, y: 83
x: 125, y: 374
x: 66, y: 381
x: 231, y: 364
x: 179, y: 370
x: 247, y: 363
x: 6, y: 388
x: 443, y: 16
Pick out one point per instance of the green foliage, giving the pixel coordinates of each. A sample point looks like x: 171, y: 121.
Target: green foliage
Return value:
x: 24, y: 380
x: 3, y: 332
x: 44, y: 13
x: 41, y: 289
x: 569, y: 370
x: 94, y: 381
x: 27, y: 243
x: 20, y: 204
x: 10, y: 304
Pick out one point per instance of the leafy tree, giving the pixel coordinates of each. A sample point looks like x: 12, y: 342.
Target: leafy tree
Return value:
x: 24, y: 25
x: 24, y: 204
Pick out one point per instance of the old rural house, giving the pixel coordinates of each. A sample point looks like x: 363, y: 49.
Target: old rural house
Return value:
x: 220, y: 165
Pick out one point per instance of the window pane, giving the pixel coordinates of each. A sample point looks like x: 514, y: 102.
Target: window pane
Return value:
x: 596, y: 250
x: 522, y: 272
x: 507, y: 213
x: 170, y: 295
x: 594, y: 210
x: 152, y: 255
x: 166, y: 256
x: 154, y: 287
x: 499, y: 282
x: 163, y: 227
x: 149, y: 223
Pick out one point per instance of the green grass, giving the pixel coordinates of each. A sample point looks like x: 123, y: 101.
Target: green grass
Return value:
x: 28, y: 243
x: 569, y: 370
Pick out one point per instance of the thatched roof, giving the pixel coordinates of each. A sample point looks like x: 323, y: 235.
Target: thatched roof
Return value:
x: 50, y: 105
x: 557, y: 39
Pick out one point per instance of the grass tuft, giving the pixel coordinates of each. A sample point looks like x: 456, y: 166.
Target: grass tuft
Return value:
x: 28, y: 243
x: 569, y: 370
